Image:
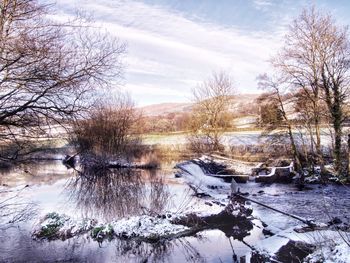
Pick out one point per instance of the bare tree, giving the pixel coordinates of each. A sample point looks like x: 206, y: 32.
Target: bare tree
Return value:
x: 334, y: 55
x: 276, y: 89
x: 109, y: 127
x: 298, y: 62
x: 315, y: 58
x: 210, y: 117
x: 48, y: 70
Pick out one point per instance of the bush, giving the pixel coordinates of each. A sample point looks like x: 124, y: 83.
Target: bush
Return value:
x: 108, y: 130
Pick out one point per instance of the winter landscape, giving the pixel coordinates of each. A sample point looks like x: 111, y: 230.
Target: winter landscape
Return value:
x: 174, y: 131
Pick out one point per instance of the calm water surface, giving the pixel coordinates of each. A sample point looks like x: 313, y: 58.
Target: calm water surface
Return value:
x: 49, y: 186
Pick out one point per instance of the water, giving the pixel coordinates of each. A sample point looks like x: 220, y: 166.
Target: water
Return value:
x: 49, y: 186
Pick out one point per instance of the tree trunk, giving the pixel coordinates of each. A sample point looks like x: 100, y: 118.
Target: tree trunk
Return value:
x: 337, y: 126
x: 319, y: 153
x: 298, y: 166
x: 348, y: 170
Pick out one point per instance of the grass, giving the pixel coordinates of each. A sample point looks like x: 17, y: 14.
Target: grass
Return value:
x: 50, y: 230
x: 101, y: 232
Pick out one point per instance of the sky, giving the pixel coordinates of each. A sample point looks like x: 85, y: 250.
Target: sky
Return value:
x: 173, y: 45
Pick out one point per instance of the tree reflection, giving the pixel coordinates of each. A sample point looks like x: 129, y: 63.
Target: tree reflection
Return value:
x: 116, y: 193
x: 14, y: 208
x: 162, y: 251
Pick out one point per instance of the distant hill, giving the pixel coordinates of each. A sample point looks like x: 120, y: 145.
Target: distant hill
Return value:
x: 165, y: 108
x: 240, y: 103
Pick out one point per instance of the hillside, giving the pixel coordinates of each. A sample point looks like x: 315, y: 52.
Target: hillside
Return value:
x: 165, y: 108
x: 240, y: 103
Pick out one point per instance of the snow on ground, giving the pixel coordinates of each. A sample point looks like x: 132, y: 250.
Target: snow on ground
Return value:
x: 330, y: 247
x: 146, y: 227
x: 206, y: 207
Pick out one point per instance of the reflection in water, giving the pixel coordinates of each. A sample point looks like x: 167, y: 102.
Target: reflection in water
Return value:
x: 114, y: 193
x: 14, y: 208
x: 157, y: 252
x: 21, y: 248
x: 110, y: 194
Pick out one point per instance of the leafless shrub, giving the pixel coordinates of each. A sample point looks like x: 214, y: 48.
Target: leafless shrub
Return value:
x: 109, y: 129
x: 201, y: 144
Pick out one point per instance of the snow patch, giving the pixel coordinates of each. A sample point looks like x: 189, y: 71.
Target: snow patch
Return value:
x: 330, y: 247
x: 146, y: 227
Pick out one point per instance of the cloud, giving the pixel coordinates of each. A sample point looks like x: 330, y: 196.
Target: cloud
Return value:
x: 168, y: 53
x: 263, y: 3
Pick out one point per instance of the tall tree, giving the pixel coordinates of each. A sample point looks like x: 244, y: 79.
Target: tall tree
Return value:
x: 276, y: 89
x: 48, y: 69
x: 298, y: 62
x: 315, y: 58
x: 210, y: 113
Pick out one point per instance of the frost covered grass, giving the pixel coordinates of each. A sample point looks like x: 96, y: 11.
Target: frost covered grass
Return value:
x: 56, y: 226
x: 101, y: 232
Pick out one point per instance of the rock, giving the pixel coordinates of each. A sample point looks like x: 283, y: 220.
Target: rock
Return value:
x: 267, y: 232
x: 259, y: 257
x: 294, y: 252
x: 69, y: 160
x: 335, y: 221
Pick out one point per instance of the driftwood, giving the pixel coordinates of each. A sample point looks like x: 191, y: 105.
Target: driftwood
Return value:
x: 96, y: 162
x: 132, y: 166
